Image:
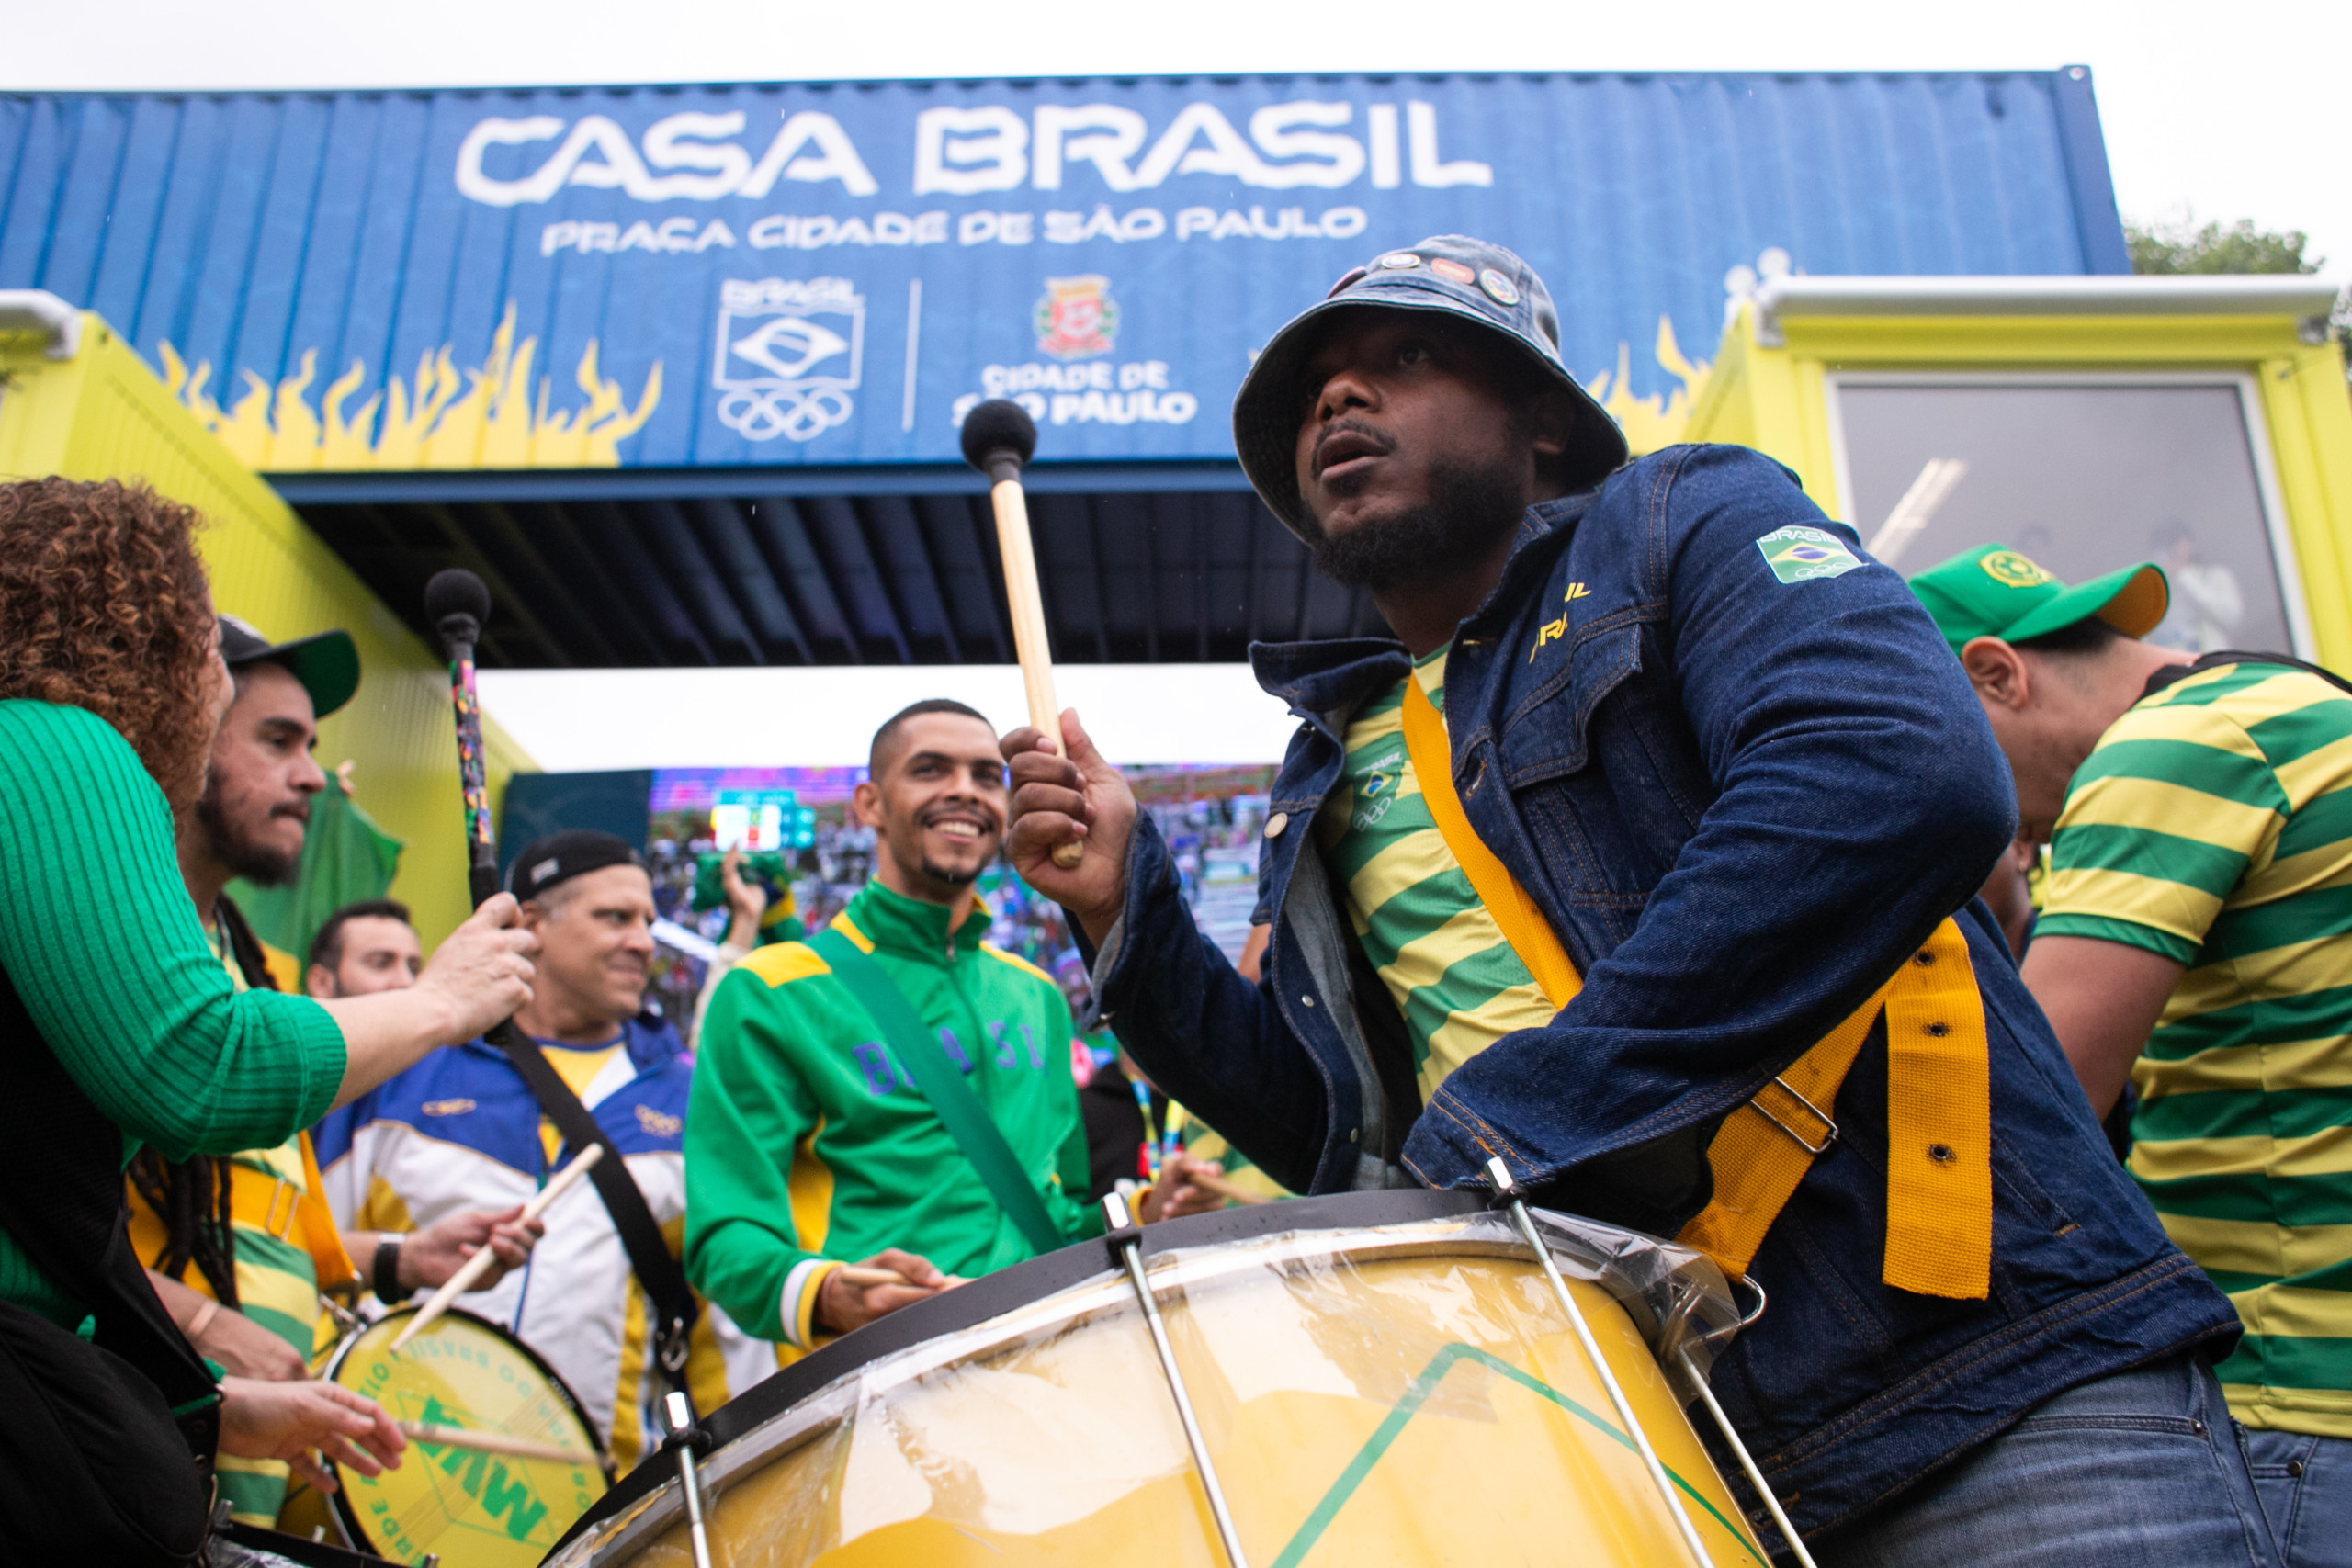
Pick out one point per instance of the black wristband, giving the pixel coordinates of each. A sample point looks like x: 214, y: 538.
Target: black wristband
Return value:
x: 384, y: 1275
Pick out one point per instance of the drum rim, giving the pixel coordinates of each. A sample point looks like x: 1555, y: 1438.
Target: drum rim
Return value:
x: 346, y: 1511
x: 1007, y: 1290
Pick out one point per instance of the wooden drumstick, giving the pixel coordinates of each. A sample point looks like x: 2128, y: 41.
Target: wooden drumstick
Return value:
x: 1224, y: 1189
x: 999, y: 438
x: 491, y: 1443
x: 862, y: 1277
x: 479, y: 1264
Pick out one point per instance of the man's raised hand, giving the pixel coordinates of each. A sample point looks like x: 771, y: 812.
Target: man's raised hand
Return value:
x: 1057, y: 800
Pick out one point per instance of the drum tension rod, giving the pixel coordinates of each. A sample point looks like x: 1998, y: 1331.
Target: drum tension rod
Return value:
x: 1739, y: 1448
x: 1125, y: 1241
x: 688, y: 1440
x: 1507, y: 1195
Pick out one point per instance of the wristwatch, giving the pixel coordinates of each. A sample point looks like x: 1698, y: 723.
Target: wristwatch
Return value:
x: 385, y: 1273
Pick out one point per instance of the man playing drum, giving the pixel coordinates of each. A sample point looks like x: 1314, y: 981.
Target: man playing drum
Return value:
x: 896, y: 1088
x: 1643, y: 858
x: 463, y: 1130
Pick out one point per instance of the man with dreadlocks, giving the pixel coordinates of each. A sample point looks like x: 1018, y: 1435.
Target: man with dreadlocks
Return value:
x: 239, y: 1246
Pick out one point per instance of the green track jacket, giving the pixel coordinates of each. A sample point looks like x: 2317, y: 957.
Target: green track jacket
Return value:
x: 808, y: 1144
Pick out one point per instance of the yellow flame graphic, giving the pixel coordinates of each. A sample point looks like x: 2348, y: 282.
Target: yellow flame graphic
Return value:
x: 1659, y: 419
x: 443, y: 418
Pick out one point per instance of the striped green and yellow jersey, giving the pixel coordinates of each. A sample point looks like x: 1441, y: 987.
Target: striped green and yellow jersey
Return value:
x: 1444, y: 960
x: 2214, y: 825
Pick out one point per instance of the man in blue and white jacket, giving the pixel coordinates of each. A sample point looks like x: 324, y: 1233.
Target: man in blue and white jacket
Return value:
x: 461, y: 1130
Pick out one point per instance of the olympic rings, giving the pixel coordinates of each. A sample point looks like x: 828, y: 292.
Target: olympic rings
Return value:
x: 803, y: 413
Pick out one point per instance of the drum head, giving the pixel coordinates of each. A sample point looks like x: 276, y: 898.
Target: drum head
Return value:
x: 485, y: 1510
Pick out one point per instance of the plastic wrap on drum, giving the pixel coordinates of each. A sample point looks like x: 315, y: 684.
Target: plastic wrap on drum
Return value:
x: 1363, y: 1395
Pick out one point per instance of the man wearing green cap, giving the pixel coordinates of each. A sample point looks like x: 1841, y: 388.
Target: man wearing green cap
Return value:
x: 2197, y: 942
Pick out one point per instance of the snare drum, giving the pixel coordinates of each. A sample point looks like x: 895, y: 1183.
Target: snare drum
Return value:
x: 474, y: 1508
x: 1380, y: 1378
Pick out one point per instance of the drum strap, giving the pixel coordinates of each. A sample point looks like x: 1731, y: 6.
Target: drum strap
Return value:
x: 664, y: 1281
x: 1939, y: 1107
x: 285, y: 1212
x: 966, y: 1119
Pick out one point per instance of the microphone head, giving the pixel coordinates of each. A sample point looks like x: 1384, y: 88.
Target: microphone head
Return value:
x: 998, y: 425
x: 453, y: 593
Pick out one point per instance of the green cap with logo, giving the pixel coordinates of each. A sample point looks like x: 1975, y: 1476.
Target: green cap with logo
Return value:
x: 1992, y: 590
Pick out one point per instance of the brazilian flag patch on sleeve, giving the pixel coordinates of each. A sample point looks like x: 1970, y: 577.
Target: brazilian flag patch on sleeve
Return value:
x: 1800, y: 555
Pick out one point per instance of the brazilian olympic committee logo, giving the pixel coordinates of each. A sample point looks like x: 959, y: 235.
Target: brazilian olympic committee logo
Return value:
x: 1798, y: 554
x: 789, y: 355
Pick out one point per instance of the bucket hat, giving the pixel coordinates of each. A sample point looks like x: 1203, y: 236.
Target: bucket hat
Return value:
x: 1450, y: 275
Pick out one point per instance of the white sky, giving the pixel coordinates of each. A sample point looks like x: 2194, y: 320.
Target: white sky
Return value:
x: 2232, y: 111
x: 2235, y: 110
x: 583, y: 719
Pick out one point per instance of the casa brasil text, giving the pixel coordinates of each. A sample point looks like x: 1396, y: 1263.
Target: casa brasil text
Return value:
x: 694, y: 156
x: 679, y: 236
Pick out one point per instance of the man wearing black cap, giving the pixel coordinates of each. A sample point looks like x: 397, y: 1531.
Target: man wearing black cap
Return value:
x: 463, y: 1130
x: 1643, y: 860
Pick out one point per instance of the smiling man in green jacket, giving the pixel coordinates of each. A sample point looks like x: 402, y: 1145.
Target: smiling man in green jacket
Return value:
x: 809, y: 1141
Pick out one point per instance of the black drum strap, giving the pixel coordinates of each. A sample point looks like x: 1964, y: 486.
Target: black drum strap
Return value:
x: 648, y: 1256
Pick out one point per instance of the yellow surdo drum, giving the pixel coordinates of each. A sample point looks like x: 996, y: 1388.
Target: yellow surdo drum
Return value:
x: 471, y: 1507
x: 1377, y: 1379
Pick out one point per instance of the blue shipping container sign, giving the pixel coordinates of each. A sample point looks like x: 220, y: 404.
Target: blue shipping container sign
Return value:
x: 833, y: 274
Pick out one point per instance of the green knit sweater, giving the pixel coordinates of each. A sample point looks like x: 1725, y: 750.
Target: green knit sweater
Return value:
x: 99, y: 937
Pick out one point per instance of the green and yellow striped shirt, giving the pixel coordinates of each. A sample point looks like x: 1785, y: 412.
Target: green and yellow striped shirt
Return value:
x: 1446, y: 963
x: 2214, y: 825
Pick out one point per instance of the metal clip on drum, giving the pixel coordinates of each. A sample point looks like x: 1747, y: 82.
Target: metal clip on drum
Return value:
x: 1739, y: 1449
x: 1507, y: 1195
x: 685, y: 1438
x: 1125, y: 1239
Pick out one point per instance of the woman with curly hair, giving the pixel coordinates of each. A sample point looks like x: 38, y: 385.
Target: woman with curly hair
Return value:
x: 122, y: 1030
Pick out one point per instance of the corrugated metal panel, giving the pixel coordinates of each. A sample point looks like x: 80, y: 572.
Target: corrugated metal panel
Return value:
x: 1187, y: 577
x: 505, y: 280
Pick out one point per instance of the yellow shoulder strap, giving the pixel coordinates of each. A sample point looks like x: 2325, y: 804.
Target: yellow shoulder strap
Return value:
x: 1523, y: 925
x: 1939, y: 1132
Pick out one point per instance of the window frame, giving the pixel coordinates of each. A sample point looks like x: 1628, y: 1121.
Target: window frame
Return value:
x: 2255, y: 428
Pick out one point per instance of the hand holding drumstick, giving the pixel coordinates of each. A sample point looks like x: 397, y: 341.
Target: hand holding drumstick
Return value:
x: 856, y: 1294
x: 479, y: 1264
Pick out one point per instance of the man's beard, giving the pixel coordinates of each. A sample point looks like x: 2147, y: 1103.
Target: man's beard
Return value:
x: 947, y: 877
x: 257, y: 864
x: 1469, y: 507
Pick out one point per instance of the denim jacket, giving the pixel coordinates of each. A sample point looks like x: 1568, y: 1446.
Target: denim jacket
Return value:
x: 1741, y: 802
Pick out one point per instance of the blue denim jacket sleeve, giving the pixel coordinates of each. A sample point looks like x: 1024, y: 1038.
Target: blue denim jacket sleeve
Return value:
x: 1859, y: 798
x: 1166, y: 989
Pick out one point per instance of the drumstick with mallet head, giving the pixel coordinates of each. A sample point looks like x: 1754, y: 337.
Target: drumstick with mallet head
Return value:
x: 475, y: 1267
x: 999, y: 438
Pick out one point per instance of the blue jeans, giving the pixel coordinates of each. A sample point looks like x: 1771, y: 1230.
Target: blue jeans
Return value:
x: 2140, y: 1469
x: 2305, y: 1484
